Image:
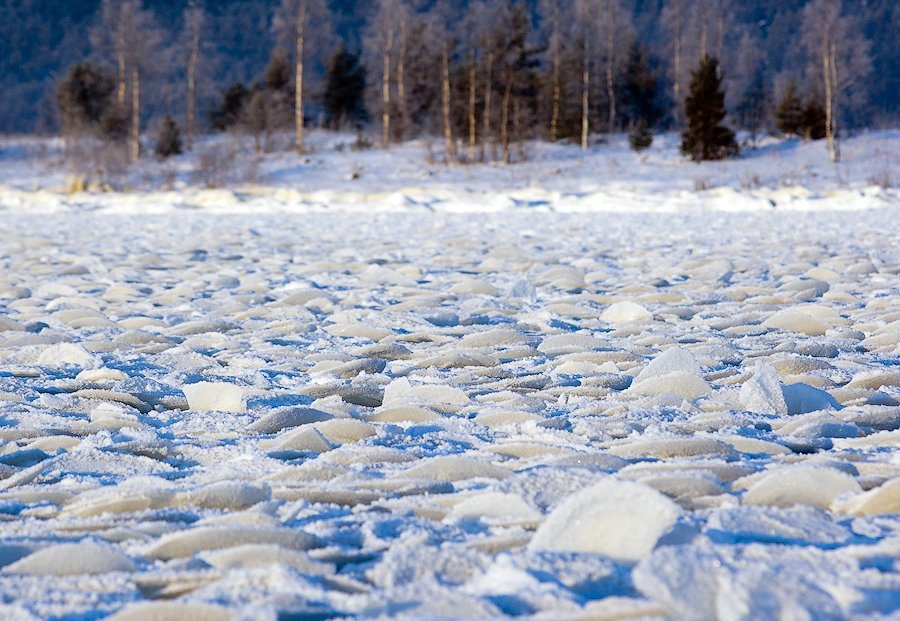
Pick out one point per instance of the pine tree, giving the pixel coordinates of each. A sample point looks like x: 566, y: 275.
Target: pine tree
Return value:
x: 789, y: 113
x: 705, y: 137
x: 345, y: 90
x: 168, y: 141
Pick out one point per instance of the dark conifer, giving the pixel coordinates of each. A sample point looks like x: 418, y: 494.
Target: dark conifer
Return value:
x: 813, y: 120
x: 345, y: 90
x: 228, y: 113
x: 705, y: 137
x: 640, y: 137
x: 84, y: 96
x: 640, y: 98
x: 754, y: 108
x: 168, y: 141
x: 789, y: 113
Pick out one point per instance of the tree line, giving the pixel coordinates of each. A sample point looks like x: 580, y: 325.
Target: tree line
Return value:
x: 481, y: 75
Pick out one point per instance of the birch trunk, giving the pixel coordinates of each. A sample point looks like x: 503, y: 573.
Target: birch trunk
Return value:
x: 472, y: 86
x: 557, y: 61
x: 676, y: 83
x: 704, y: 31
x: 504, y: 121
x: 830, y: 72
x: 135, y: 150
x: 121, y: 65
x: 298, y: 86
x: 445, y: 104
x: 585, y: 97
x: 488, y: 92
x: 557, y: 96
x: 401, y: 79
x: 192, y: 84
x: 610, y: 65
x: 386, y: 89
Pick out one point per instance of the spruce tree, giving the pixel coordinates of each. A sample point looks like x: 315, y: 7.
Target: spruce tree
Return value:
x: 168, y: 141
x: 705, y: 137
x: 789, y: 116
x: 345, y: 90
x: 640, y: 99
x: 754, y: 108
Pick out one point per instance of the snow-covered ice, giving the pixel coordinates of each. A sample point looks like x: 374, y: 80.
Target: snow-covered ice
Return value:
x: 411, y: 413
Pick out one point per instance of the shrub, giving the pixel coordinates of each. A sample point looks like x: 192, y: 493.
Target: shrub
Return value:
x: 640, y: 137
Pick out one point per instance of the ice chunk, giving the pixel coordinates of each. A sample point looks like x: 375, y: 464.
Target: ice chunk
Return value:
x: 762, y: 393
x: 474, y: 286
x: 454, y: 468
x: 343, y: 430
x: 305, y: 439
x: 284, y: 418
x: 675, y: 371
x: 251, y: 556
x: 669, y: 447
x: 673, y: 360
x: 875, y: 381
x: 114, y: 416
x: 523, y: 289
x: 62, y: 354
x: 684, y: 385
x: 496, y: 505
x: 187, y: 542
x: 10, y: 325
x: 794, y: 320
x: 800, y: 525
x: 91, y: 503
x: 225, y: 495
x: 624, y: 313
x: 493, y: 338
x: 69, y: 559
x: 569, y: 343
x: 215, y: 397
x: 403, y: 414
x: 883, y: 499
x: 620, y: 519
x: 700, y: 582
x: 401, y: 391
x: 172, y: 611
x: 101, y: 375
x: 803, y: 398
x: 801, y: 485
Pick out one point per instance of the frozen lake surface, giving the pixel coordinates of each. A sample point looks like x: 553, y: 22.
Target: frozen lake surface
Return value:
x: 422, y: 415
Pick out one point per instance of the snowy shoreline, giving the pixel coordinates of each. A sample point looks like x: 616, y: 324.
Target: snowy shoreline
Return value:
x: 778, y: 175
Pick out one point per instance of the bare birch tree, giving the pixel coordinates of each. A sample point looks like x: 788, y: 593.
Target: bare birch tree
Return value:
x: 295, y: 21
x: 839, y: 59
x: 587, y: 17
x: 555, y: 15
x: 616, y: 30
x: 387, y: 40
x: 194, y: 18
x: 130, y: 33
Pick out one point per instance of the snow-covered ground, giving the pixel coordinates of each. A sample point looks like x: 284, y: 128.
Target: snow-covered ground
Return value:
x: 304, y: 399
x: 334, y: 177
